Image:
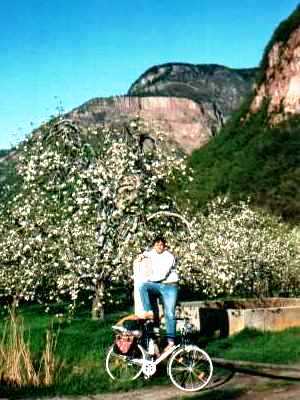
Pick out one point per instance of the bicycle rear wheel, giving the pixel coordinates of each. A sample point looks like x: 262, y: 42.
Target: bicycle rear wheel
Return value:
x: 190, y: 368
x: 125, y: 367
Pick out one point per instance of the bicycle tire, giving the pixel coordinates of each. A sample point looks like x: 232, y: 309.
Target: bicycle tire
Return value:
x: 190, y: 368
x: 124, y: 367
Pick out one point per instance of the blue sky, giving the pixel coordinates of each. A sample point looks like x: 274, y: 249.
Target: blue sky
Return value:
x: 61, y: 53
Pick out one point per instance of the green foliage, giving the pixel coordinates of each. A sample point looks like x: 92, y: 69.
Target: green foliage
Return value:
x: 4, y: 152
x: 249, y: 159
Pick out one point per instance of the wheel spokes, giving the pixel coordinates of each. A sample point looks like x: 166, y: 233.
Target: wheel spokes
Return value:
x: 190, y: 369
x: 124, y: 367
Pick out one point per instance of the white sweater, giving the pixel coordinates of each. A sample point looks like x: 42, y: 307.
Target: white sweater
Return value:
x: 161, y: 264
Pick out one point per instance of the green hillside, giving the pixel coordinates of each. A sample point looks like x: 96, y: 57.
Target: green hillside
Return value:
x: 243, y: 160
x: 249, y: 160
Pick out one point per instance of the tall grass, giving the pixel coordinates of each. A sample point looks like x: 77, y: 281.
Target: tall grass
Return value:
x: 17, y: 364
x: 48, y: 360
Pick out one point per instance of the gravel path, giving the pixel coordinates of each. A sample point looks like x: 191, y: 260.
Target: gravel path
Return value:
x: 240, y: 387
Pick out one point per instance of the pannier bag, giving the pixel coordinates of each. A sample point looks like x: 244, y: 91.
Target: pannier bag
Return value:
x: 125, y: 343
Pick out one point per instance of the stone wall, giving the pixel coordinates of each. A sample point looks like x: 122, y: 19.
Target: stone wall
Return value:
x: 219, y: 318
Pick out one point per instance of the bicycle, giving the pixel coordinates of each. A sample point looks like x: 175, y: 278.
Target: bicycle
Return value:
x: 189, y: 367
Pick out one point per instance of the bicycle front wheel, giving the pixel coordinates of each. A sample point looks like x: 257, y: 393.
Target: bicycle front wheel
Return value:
x: 190, y: 368
x: 125, y: 367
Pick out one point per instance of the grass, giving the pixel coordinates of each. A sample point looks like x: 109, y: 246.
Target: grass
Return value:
x: 80, y: 354
x: 251, y: 345
x: 82, y: 345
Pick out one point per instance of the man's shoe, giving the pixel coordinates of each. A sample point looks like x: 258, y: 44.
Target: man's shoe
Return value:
x: 146, y: 315
x: 168, y: 347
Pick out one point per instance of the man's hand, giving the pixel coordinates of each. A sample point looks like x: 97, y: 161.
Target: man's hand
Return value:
x: 140, y: 257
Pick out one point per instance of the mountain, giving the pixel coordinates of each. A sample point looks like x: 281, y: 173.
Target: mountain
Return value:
x: 257, y: 153
x: 189, y: 119
x: 280, y: 85
x: 186, y: 123
x: 188, y: 102
x: 222, y: 87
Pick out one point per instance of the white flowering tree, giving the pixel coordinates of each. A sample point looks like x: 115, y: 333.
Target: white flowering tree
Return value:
x: 236, y: 250
x: 89, y: 202
x: 77, y: 222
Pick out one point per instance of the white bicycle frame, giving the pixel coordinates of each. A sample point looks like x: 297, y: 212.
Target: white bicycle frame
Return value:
x: 147, y: 365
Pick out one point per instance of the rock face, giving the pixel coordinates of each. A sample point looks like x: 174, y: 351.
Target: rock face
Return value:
x: 221, y: 87
x: 187, y: 123
x: 281, y: 86
x: 188, y: 102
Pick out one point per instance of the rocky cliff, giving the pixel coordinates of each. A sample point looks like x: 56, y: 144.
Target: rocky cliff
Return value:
x: 281, y: 87
x: 222, y: 87
x: 187, y: 123
x: 188, y: 102
x: 280, y: 84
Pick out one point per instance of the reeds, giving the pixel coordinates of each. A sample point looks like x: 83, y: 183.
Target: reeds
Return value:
x: 17, y: 365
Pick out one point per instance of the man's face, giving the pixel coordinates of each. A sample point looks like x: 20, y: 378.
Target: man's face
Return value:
x: 159, y: 247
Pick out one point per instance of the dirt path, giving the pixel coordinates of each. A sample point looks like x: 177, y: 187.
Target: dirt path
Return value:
x: 240, y: 387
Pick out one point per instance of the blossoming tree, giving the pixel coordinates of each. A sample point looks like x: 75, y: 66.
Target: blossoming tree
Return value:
x: 233, y: 249
x: 90, y: 201
x: 77, y: 222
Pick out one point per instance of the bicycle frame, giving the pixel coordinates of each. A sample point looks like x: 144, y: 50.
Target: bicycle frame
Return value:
x: 162, y: 357
x: 149, y: 366
x: 189, y: 367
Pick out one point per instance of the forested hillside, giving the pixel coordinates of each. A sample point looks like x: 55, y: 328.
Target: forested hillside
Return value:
x: 257, y: 153
x: 249, y: 160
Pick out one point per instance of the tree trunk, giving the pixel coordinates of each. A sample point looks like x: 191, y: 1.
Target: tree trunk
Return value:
x: 98, y: 301
x: 15, y: 302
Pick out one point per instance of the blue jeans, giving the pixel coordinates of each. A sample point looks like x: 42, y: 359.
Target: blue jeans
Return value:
x: 168, y: 294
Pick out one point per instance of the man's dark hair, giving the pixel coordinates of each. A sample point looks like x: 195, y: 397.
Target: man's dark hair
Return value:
x: 159, y: 239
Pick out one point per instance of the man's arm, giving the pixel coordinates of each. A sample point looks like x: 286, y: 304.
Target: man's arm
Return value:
x: 171, y: 260
x: 144, y: 254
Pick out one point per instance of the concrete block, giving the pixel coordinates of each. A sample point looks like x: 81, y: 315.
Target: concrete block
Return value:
x: 230, y: 317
